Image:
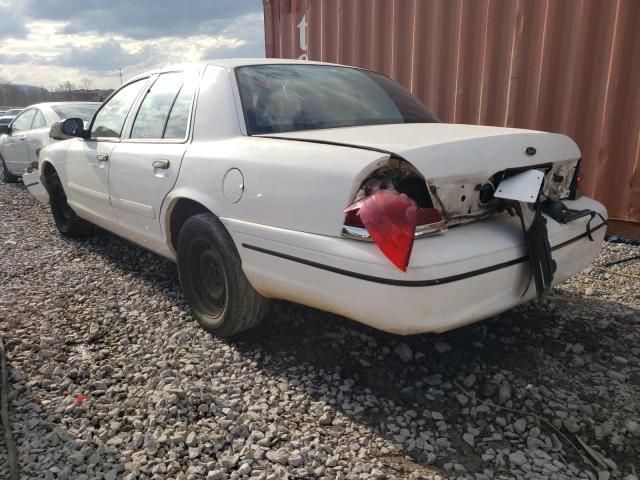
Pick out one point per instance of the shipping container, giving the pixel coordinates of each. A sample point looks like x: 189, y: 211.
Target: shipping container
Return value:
x: 568, y: 66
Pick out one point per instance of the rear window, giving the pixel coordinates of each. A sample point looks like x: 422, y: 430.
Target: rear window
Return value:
x: 285, y: 98
x: 85, y: 112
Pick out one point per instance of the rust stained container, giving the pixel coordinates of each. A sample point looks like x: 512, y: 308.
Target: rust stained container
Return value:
x: 569, y: 66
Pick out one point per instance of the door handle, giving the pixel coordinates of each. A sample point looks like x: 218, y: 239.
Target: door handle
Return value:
x: 160, y: 164
x: 22, y: 138
x: 102, y: 157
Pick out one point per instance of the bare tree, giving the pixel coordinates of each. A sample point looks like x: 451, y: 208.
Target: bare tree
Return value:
x: 86, y: 84
x: 66, y: 87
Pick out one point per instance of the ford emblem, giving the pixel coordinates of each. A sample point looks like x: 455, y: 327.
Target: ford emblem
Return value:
x: 530, y: 151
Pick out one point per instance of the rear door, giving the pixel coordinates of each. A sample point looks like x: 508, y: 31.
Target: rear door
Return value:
x: 88, y: 159
x: 16, y: 153
x: 144, y: 166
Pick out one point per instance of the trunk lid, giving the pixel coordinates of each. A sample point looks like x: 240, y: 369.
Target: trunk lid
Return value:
x: 457, y: 161
x: 440, y: 149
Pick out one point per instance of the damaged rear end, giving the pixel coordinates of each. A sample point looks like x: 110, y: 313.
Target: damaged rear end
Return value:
x: 439, y: 229
x: 419, y: 194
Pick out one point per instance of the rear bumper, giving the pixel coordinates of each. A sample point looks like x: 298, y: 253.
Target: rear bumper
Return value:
x: 470, y: 273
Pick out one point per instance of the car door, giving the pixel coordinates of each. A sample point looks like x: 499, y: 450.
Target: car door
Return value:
x: 16, y: 153
x: 144, y: 166
x: 88, y: 159
x: 37, y: 137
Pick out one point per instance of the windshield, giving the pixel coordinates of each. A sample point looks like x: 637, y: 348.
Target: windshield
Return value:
x: 85, y: 112
x: 285, y: 98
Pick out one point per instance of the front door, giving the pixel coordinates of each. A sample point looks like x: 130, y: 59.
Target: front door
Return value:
x: 88, y: 159
x: 16, y: 153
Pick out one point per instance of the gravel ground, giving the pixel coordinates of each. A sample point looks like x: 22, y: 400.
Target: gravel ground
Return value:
x: 111, y: 378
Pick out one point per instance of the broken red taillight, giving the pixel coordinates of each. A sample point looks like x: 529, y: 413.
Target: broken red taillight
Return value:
x: 428, y: 216
x: 353, y: 218
x: 392, y: 207
x: 390, y: 220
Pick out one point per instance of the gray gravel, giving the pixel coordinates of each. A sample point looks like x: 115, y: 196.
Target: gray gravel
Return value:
x: 111, y: 378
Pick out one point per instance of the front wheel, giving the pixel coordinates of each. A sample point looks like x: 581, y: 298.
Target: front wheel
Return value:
x: 5, y: 175
x: 219, y: 294
x: 68, y: 223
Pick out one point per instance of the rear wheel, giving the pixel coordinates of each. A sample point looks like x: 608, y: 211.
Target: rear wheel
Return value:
x: 5, y: 175
x: 68, y: 223
x: 220, y: 296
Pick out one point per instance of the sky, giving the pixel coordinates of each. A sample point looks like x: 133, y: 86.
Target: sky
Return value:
x: 49, y: 42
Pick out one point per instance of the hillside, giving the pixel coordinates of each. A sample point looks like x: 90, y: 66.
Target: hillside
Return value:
x: 17, y: 95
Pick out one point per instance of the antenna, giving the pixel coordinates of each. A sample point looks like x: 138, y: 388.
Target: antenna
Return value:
x: 120, y: 70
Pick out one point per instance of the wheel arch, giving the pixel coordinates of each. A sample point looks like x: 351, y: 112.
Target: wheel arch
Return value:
x: 46, y: 170
x: 179, y: 210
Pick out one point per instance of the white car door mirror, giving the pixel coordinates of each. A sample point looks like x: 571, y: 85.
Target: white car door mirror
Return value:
x: 69, y: 128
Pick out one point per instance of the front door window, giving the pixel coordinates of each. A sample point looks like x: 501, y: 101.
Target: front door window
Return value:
x: 111, y: 117
x: 22, y: 123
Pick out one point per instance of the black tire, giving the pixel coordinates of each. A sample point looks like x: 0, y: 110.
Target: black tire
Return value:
x: 220, y: 296
x: 5, y: 175
x: 69, y: 224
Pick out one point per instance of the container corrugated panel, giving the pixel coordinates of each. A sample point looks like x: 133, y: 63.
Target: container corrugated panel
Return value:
x: 569, y: 66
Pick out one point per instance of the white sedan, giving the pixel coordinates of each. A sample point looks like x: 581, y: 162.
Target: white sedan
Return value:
x: 29, y: 132
x: 325, y: 185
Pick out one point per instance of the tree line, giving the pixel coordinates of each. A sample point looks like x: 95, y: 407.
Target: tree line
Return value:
x: 16, y: 95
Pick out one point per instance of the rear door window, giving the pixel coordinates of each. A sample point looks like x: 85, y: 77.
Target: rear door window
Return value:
x: 38, y: 121
x: 178, y: 121
x: 154, y: 111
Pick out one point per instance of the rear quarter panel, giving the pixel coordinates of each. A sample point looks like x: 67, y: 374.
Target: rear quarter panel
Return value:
x: 287, y: 184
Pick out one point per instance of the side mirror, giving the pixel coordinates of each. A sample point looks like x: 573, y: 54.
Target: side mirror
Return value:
x: 69, y: 128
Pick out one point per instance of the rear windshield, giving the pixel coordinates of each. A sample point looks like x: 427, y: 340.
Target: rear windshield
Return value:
x: 286, y: 98
x: 85, y: 112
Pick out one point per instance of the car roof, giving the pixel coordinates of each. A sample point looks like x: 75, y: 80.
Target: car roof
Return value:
x: 241, y: 62
x: 56, y: 104
x: 232, y: 63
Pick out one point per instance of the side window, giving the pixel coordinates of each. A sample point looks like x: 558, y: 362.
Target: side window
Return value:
x: 111, y: 117
x: 22, y: 123
x: 38, y: 121
x: 179, y: 117
x: 154, y: 110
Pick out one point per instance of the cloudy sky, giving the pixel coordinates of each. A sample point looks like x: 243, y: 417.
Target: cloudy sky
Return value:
x: 48, y: 42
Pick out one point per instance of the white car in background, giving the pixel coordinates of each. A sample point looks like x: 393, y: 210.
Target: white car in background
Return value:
x: 29, y: 132
x: 325, y: 185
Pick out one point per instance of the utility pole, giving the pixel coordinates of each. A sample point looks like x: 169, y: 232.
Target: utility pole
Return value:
x: 120, y: 70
